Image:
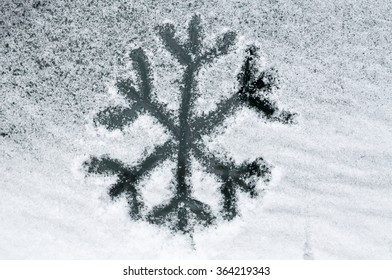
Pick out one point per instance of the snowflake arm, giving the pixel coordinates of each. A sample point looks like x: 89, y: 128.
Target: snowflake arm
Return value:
x: 255, y: 89
x: 205, y: 124
x: 233, y: 177
x: 258, y: 168
x: 129, y: 177
x: 179, y: 51
x: 105, y: 165
x: 253, y: 93
x: 117, y: 117
x: 195, y: 34
x: 182, y: 214
x: 222, y: 47
x: 142, y: 66
x: 160, y: 154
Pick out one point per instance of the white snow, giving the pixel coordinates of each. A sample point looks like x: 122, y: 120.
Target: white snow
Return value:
x: 331, y: 190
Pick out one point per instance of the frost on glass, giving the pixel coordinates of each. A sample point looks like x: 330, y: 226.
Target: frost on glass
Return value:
x: 183, y: 212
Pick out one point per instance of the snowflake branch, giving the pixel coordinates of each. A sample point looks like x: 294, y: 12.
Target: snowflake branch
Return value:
x: 195, y: 33
x: 228, y: 171
x: 214, y: 165
x: 126, y: 88
x: 147, y: 105
x: 143, y: 97
x: 159, y: 155
x: 222, y: 47
x: 128, y: 177
x: 126, y: 184
x: 205, y: 124
x: 229, y: 209
x: 142, y: 66
x: 254, y: 90
x: 249, y: 94
x: 173, y: 46
x: 105, y: 165
x: 180, y: 214
x: 231, y: 178
x: 118, y: 117
x: 157, y: 112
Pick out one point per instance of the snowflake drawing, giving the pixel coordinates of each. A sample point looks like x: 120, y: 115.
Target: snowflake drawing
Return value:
x: 183, y: 212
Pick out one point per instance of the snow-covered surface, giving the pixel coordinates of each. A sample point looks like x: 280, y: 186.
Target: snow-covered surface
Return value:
x: 331, y: 191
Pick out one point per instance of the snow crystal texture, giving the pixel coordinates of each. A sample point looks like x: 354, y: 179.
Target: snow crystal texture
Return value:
x: 330, y: 192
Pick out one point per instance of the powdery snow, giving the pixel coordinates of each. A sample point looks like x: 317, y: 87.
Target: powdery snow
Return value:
x: 331, y: 191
